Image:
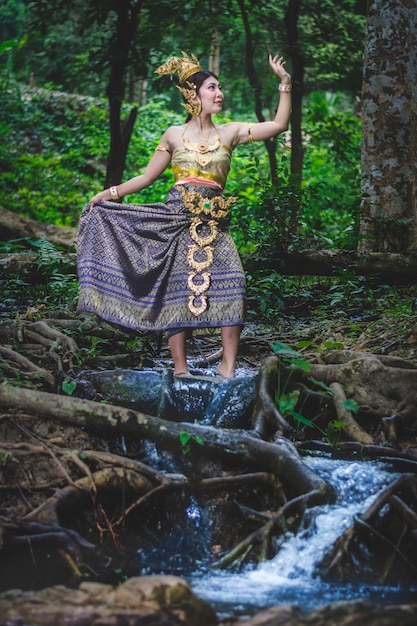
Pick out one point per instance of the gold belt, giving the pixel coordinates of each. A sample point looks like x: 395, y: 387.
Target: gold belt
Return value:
x: 199, y: 280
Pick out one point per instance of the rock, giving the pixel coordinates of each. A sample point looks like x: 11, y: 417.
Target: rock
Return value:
x: 157, y: 600
x: 210, y: 400
x: 349, y: 613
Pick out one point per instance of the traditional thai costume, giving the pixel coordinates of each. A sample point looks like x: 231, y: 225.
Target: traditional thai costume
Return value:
x: 166, y: 266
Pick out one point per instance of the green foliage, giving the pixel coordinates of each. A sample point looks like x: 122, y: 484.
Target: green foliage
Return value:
x: 69, y: 386
x: 277, y: 217
x: 332, y: 170
x: 4, y: 458
x: 55, y: 148
x: 51, y: 141
x: 265, y: 294
x: 58, y: 285
x: 288, y: 401
x: 332, y: 39
x: 186, y: 440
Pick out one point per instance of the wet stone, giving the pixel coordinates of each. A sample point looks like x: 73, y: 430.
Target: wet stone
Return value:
x: 210, y: 400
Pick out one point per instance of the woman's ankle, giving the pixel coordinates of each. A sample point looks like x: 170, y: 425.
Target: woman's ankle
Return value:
x: 226, y: 372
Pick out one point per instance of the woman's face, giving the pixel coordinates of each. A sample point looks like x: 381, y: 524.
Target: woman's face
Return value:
x: 211, y: 95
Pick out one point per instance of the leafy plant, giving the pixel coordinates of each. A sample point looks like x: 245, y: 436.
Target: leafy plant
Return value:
x: 69, y: 386
x: 4, y: 458
x: 186, y: 440
x: 287, y: 401
x: 265, y: 293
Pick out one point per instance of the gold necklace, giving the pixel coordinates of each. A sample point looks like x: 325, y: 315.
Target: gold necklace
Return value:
x: 202, y: 151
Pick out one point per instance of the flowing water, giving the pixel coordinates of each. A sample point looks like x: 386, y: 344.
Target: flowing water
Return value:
x: 290, y: 577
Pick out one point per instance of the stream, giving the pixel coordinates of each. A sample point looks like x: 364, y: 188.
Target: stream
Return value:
x: 290, y: 576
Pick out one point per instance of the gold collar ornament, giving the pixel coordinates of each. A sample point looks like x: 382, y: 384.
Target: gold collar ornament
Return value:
x: 202, y: 152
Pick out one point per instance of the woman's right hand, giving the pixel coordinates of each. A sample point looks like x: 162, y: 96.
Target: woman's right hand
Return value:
x: 103, y: 196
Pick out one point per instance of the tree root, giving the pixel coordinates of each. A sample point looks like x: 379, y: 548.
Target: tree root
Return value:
x: 87, y: 488
x: 266, y: 418
x: 219, y: 443
x: 15, y: 364
x: 388, y: 530
x: 263, y: 534
x: 350, y: 425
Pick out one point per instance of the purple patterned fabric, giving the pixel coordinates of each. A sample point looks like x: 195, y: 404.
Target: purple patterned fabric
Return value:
x: 133, y: 269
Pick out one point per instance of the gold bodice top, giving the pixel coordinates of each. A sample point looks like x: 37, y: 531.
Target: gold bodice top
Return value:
x: 185, y: 166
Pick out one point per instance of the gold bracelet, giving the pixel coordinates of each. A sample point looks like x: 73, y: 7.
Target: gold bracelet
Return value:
x: 282, y: 87
x: 114, y: 194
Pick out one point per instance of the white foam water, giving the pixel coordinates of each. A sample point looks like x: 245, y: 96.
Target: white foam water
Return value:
x: 290, y: 577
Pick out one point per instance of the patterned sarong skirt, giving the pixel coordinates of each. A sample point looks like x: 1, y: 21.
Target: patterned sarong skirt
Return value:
x: 165, y: 266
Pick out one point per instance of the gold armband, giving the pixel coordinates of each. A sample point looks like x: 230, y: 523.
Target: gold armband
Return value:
x: 162, y: 148
x: 250, y: 138
x: 114, y: 194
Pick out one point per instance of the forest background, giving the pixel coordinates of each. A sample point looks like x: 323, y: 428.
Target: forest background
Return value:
x: 82, y: 108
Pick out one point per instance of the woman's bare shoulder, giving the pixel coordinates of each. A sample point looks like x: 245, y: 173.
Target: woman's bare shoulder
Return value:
x: 173, y: 136
x: 230, y: 132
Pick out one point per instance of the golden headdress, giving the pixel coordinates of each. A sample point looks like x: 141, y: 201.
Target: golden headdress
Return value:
x: 184, y: 66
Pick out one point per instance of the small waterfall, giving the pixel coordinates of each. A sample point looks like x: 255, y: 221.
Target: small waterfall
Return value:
x: 178, y: 544
x: 290, y: 576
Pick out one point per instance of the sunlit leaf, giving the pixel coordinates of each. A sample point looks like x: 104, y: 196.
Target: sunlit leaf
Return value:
x: 350, y: 405
x: 69, y: 386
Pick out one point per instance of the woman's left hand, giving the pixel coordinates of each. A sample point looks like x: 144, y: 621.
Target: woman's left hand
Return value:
x: 277, y: 64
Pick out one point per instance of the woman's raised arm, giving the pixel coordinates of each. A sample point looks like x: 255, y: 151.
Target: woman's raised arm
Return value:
x: 266, y: 130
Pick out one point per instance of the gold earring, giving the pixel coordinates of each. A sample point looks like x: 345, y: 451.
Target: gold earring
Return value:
x: 192, y: 103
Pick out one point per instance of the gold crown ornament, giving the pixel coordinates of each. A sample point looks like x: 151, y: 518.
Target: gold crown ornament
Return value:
x: 184, y: 66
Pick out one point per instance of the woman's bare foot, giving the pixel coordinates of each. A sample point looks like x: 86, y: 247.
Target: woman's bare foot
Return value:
x: 224, y: 372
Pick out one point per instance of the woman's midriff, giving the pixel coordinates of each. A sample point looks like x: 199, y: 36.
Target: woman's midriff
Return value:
x: 195, y: 182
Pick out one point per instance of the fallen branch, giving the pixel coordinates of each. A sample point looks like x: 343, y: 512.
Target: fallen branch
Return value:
x: 401, y: 461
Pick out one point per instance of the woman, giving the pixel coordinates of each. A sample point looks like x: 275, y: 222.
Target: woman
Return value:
x: 173, y: 266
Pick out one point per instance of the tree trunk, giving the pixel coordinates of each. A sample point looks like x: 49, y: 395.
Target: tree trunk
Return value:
x: 214, y: 58
x: 120, y: 132
x: 297, y: 62
x: 14, y: 226
x: 389, y: 143
x: 389, y: 267
x: 253, y: 80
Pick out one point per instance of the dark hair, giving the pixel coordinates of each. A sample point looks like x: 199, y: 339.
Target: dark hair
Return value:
x: 197, y: 79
